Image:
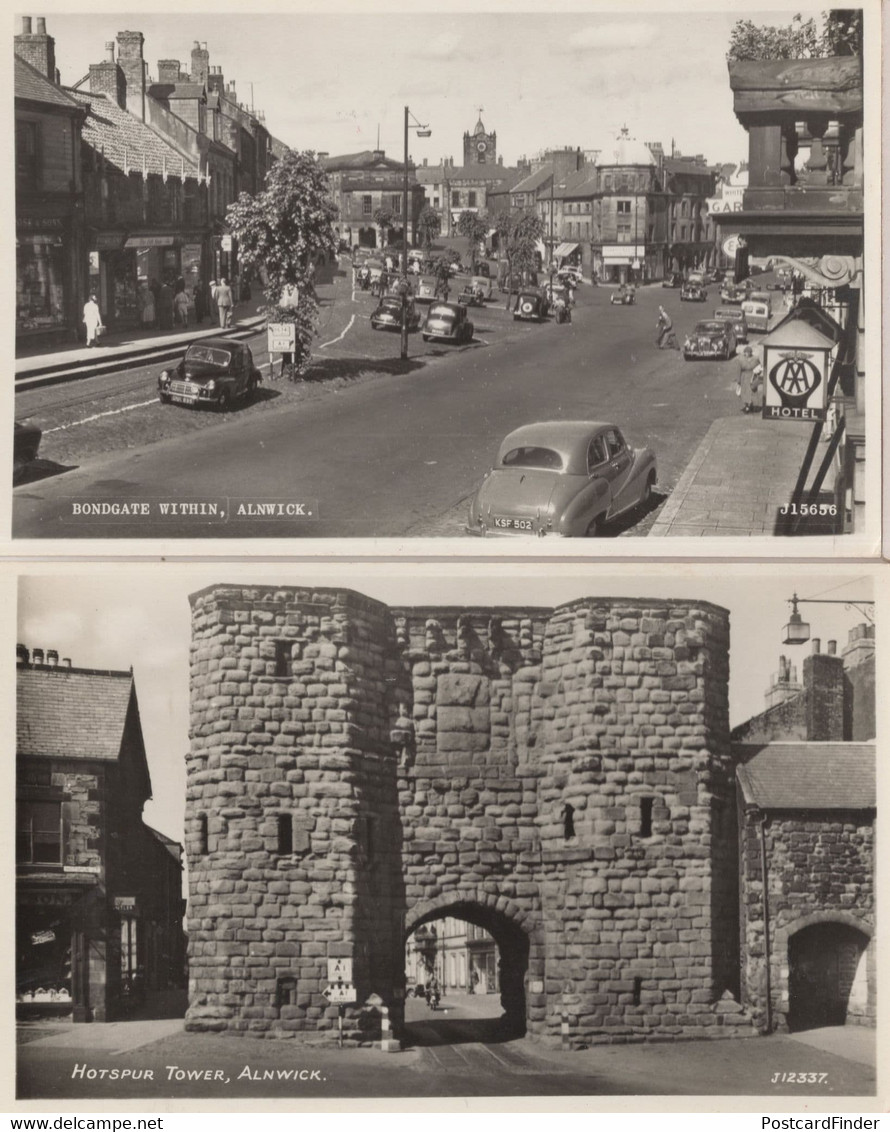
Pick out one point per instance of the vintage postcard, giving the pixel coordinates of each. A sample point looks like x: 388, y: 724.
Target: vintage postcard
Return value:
x: 294, y: 836
x: 419, y: 281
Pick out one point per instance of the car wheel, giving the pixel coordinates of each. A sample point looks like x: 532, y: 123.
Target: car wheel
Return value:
x: 595, y: 529
x: 251, y: 390
x: 164, y: 398
x: 225, y: 402
x: 426, y: 337
x: 687, y: 357
x: 646, y: 497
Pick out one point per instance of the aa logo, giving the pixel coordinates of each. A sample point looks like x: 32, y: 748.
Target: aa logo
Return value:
x: 795, y: 378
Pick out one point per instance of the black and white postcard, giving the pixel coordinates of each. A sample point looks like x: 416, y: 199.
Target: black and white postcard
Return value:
x: 448, y: 280
x: 300, y: 835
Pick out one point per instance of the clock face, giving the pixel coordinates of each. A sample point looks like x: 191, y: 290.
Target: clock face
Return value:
x: 481, y: 146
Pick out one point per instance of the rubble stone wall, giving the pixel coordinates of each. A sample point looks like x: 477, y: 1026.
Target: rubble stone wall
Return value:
x: 561, y: 777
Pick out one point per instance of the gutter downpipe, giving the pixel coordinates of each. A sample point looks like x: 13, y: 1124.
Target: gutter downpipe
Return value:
x: 766, y: 935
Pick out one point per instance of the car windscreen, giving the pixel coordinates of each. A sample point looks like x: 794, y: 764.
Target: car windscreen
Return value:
x: 439, y: 310
x: 391, y: 305
x: 709, y: 327
x: 532, y: 456
x: 209, y: 355
x: 729, y: 316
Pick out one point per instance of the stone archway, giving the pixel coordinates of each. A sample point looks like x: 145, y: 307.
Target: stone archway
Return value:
x: 512, y: 932
x: 825, y: 975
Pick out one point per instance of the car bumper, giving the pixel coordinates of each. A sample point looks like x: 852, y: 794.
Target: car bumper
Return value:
x: 705, y: 351
x: 190, y: 396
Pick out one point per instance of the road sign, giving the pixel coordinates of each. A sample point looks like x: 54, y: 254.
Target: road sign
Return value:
x: 730, y: 246
x: 226, y: 243
x: 339, y: 970
x: 340, y: 993
x: 283, y: 340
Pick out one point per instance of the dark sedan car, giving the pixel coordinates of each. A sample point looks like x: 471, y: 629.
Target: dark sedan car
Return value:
x: 388, y: 314
x: 214, y: 371
x: 693, y: 293
x: 449, y: 322
x: 561, y: 478
x: 711, y: 338
x: 530, y: 306
x: 26, y: 442
x: 735, y: 316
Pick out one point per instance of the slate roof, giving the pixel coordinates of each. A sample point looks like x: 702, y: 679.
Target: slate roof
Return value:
x: 177, y: 90
x: 125, y: 139
x: 807, y: 776
x: 174, y: 848
x: 534, y: 181
x: 581, y: 183
x: 429, y: 174
x: 71, y: 713
x: 31, y: 84
x: 366, y: 159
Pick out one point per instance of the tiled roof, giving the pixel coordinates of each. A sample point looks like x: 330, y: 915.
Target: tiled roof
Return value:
x: 807, y: 776
x: 534, y: 181
x: 31, y: 84
x: 71, y: 713
x: 126, y: 141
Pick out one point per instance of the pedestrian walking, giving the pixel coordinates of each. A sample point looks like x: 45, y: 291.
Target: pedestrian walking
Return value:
x: 181, y: 307
x: 214, y: 309
x: 665, y: 328
x: 200, y: 300
x: 749, y: 381
x: 224, y: 302
x: 92, y: 320
x: 148, y: 308
x: 165, y: 307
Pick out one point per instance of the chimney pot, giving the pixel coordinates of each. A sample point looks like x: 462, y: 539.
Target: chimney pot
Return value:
x: 817, y: 645
x: 65, y: 662
x: 37, y: 656
x: 109, y: 50
x: 52, y: 658
x: 832, y: 648
x: 22, y: 655
x: 26, y: 25
x: 41, y: 25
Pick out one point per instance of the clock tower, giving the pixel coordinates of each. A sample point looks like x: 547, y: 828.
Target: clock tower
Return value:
x: 480, y: 148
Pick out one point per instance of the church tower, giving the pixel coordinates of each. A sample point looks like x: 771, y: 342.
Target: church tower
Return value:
x: 480, y: 148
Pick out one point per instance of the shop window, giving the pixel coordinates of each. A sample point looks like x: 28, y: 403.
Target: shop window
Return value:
x: 40, y: 286
x: 27, y: 156
x: 39, y: 833
x: 129, y: 950
x: 285, y: 834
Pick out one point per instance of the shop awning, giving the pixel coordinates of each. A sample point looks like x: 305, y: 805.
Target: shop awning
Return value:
x: 564, y: 249
x: 150, y: 242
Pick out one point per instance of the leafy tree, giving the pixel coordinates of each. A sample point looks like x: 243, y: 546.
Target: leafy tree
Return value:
x: 841, y: 35
x: 384, y: 218
x: 281, y: 233
x: 429, y: 225
x: 473, y: 225
x: 518, y: 237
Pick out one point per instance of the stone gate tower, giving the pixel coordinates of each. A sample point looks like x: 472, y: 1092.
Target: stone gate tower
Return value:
x: 559, y: 777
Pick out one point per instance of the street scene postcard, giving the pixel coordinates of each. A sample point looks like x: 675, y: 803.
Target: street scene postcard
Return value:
x: 372, y: 832
x: 508, y: 279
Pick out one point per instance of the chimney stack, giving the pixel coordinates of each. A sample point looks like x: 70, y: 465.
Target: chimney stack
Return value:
x: 37, y: 48
x: 168, y: 70
x: 860, y: 645
x: 107, y: 78
x: 200, y: 63
x: 823, y: 679
x: 22, y: 656
x: 131, y: 62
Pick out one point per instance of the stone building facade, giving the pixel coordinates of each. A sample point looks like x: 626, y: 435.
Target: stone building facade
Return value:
x: 560, y: 777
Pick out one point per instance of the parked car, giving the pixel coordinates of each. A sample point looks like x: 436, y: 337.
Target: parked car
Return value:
x: 387, y: 315
x: 25, y: 445
x: 484, y: 268
x: 561, y: 477
x: 673, y: 280
x: 757, y: 311
x: 214, y: 371
x: 624, y: 297
x: 530, y: 306
x: 483, y: 286
x: 449, y: 322
x: 571, y: 275
x: 693, y: 293
x: 733, y: 292
x: 711, y: 338
x: 735, y: 316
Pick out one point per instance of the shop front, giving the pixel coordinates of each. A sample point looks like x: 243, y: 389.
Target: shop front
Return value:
x: 124, y: 268
x: 625, y: 263
x: 52, y: 957
x: 47, y: 294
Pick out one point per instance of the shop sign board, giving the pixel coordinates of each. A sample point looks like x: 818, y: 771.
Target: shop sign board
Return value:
x: 125, y: 903
x: 795, y: 383
x: 43, y: 937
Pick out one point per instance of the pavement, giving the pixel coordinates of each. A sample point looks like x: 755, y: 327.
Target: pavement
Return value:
x: 743, y: 471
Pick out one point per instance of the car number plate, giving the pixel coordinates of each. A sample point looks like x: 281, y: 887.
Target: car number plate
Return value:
x: 514, y: 524
x: 180, y: 399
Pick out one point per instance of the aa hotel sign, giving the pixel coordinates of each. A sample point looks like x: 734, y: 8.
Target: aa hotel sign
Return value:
x: 795, y: 374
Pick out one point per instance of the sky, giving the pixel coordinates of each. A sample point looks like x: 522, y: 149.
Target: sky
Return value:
x: 564, y: 78
x: 118, y: 616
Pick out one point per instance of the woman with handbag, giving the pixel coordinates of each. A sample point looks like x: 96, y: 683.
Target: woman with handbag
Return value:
x: 749, y: 381
x: 92, y: 320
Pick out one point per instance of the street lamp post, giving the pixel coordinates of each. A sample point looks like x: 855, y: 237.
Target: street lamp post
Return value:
x: 422, y: 132
x: 797, y: 631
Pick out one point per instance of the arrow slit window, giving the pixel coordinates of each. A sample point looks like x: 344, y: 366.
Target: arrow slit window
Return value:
x: 285, y: 991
